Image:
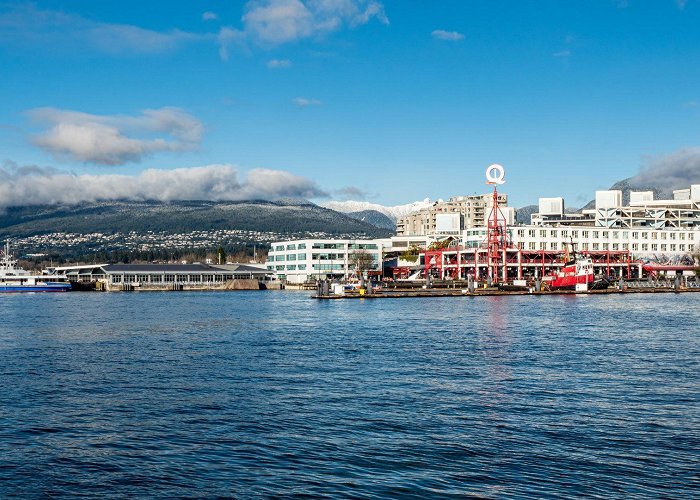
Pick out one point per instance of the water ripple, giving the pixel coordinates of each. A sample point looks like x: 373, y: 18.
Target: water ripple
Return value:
x: 274, y: 394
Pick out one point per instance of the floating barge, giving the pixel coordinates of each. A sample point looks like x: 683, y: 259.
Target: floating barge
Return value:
x: 626, y: 288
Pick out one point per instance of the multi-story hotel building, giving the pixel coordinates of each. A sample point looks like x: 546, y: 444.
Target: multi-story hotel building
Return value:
x: 451, y: 216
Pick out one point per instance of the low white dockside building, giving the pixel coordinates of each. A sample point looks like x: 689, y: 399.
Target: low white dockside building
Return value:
x: 167, y: 276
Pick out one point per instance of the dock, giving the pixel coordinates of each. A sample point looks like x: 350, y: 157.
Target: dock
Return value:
x: 495, y: 292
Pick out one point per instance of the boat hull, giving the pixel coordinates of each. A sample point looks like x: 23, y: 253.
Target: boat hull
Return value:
x: 57, y: 287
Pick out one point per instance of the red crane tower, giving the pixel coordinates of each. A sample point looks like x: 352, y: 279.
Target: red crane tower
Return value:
x: 496, y: 237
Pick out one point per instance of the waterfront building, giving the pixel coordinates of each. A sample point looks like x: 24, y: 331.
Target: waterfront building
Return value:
x: 642, y: 211
x: 299, y: 261
x: 622, y: 241
x: 450, y: 217
x: 164, y: 276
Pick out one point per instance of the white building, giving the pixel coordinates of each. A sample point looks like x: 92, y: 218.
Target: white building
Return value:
x: 640, y: 242
x: 299, y: 261
x: 643, y: 211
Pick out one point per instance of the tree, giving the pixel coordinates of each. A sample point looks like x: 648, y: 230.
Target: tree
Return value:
x: 696, y: 258
x: 362, y: 261
x: 410, y: 255
x: 221, y: 255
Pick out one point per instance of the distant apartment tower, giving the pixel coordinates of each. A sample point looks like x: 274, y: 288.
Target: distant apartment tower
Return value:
x: 451, y: 216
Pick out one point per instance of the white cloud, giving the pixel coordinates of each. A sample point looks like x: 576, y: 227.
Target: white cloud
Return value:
x: 274, y: 22
x: 681, y: 4
x: 303, y: 102
x: 227, y: 37
x: 452, y: 36
x: 210, y: 16
x: 115, y: 139
x: 677, y: 170
x: 279, y: 63
x: 33, y: 185
x: 50, y: 29
x: 562, y: 54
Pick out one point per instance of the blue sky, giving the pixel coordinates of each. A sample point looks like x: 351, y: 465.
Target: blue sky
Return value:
x: 390, y: 101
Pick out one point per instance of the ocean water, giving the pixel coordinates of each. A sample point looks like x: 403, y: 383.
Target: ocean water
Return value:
x: 259, y: 394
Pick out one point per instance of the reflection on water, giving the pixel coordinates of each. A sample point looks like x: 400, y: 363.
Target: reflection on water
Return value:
x: 272, y: 393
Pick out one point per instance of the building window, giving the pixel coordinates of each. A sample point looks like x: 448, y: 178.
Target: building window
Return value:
x: 606, y: 234
x: 596, y: 234
x: 673, y: 247
x: 635, y: 235
x: 301, y: 256
x: 531, y: 245
x: 585, y: 234
x: 553, y: 234
x: 292, y: 256
x: 302, y: 267
x: 681, y: 247
x: 291, y: 247
x: 521, y: 233
x: 543, y: 233
x: 645, y: 247
x: 595, y: 246
x: 635, y: 247
x: 301, y: 246
x: 654, y: 247
x: 574, y: 234
x: 663, y: 247
x: 291, y: 268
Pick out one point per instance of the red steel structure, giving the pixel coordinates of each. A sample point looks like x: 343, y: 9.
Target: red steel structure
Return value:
x: 457, y: 263
x: 496, y: 242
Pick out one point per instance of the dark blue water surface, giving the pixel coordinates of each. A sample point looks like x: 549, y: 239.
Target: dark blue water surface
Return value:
x: 275, y: 394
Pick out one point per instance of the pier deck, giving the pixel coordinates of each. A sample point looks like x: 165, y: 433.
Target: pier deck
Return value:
x: 490, y: 292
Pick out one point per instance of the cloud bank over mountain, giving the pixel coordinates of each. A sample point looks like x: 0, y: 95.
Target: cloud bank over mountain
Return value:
x: 32, y: 185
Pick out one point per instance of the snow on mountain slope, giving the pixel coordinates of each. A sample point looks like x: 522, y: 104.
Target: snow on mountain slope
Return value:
x: 392, y: 212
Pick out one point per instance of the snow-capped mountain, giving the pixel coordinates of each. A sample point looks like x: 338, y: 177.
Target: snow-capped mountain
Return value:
x: 392, y: 212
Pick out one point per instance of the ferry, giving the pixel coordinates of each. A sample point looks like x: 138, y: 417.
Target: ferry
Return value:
x: 15, y: 279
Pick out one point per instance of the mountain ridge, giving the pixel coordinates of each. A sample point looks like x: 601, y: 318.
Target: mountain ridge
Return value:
x: 181, y: 216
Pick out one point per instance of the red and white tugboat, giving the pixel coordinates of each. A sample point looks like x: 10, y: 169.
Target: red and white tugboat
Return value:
x: 577, y: 274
